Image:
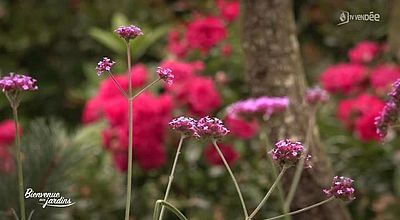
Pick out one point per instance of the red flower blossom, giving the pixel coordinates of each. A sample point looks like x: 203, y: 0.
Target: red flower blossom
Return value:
x: 230, y: 154
x: 227, y: 50
x: 116, y: 111
x: 151, y: 156
x: 383, y: 76
x: 92, y: 111
x: 206, y: 33
x: 229, y: 9
x: 242, y: 128
x: 177, y: 44
x: 120, y: 159
x: 359, y: 114
x: 201, y: 95
x: 7, y: 132
x: 364, y: 52
x: 7, y: 164
x: 365, y: 127
x: 116, y: 138
x: 344, y: 78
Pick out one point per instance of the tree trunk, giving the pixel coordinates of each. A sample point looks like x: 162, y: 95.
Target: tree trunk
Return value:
x: 274, y: 68
x: 394, y: 30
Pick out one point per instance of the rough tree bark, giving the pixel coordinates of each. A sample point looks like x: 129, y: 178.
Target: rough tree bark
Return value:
x: 274, y: 68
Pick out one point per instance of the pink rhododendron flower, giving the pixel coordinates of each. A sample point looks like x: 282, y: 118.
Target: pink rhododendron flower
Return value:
x: 344, y: 78
x: 383, y: 76
x: 7, y: 132
x: 120, y: 159
x: 177, y: 44
x: 359, y: 114
x: 229, y: 9
x: 93, y: 110
x: 206, y: 33
x: 230, y: 154
x: 201, y: 95
x: 152, y: 156
x: 242, y: 128
x: 7, y: 164
x: 364, y: 52
x: 227, y: 50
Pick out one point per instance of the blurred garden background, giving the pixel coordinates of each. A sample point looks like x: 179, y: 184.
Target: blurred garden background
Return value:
x: 74, y: 143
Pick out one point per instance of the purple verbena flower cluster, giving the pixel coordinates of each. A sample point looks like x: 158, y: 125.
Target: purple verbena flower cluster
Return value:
x: 185, y: 125
x: 15, y: 82
x: 389, y: 114
x: 104, y: 65
x: 129, y: 32
x: 317, y: 95
x: 264, y: 106
x: 166, y: 75
x: 211, y: 127
x: 204, y: 127
x: 342, y: 188
x: 287, y: 152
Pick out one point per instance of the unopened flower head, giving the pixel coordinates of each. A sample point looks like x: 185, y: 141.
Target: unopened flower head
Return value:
x: 166, y: 75
x: 185, y: 125
x: 342, y: 188
x: 104, y: 65
x: 17, y: 82
x: 317, y: 95
x: 287, y: 152
x: 264, y: 106
x: 129, y: 32
x: 211, y: 127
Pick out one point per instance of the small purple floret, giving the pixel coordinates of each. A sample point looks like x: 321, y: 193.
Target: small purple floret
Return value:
x: 104, y: 65
x: 341, y: 188
x: 185, y: 125
x: 14, y: 82
x: 317, y: 95
x: 287, y: 152
x: 166, y: 75
x: 129, y: 32
x: 211, y: 127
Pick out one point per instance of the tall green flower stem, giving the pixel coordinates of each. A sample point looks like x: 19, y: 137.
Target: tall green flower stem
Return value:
x: 274, y: 171
x: 171, y: 176
x: 274, y: 185
x: 214, y: 141
x: 19, y: 162
x: 130, y: 143
x: 303, y: 209
x: 300, y: 165
x: 130, y: 96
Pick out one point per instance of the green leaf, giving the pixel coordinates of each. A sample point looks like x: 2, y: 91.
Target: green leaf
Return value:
x: 141, y: 44
x: 118, y: 20
x: 108, y: 39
